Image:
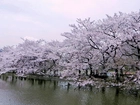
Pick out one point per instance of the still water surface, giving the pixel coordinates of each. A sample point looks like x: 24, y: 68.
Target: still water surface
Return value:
x: 51, y: 92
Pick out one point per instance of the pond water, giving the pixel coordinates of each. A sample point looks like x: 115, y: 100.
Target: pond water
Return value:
x: 15, y: 91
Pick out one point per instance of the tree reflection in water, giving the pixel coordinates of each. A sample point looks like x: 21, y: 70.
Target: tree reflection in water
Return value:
x: 34, y: 91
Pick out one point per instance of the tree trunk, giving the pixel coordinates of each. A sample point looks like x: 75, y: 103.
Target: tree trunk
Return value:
x: 138, y: 53
x: 86, y: 72
x: 90, y: 68
x: 121, y: 73
x: 117, y: 75
x: 79, y: 72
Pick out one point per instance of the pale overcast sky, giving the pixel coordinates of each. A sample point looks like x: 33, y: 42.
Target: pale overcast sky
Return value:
x: 47, y: 19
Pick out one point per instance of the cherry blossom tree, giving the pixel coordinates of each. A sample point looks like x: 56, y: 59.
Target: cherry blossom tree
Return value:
x: 90, y: 48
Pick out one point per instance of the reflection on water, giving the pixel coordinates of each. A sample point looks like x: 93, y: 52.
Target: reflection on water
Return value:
x: 22, y: 91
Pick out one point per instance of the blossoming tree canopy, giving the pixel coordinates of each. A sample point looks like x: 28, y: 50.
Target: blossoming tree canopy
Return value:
x: 91, y: 47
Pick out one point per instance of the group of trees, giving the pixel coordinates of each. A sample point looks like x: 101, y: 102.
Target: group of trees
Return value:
x: 92, y: 47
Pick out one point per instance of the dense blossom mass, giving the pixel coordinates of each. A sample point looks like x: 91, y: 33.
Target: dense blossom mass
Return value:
x: 91, y: 48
